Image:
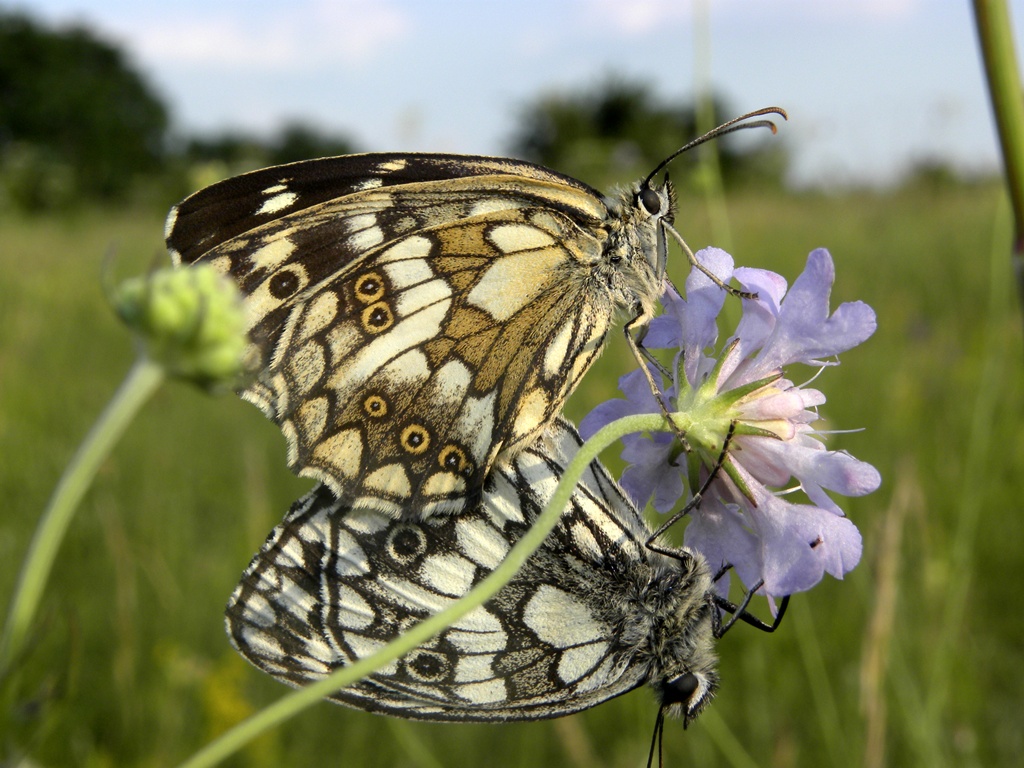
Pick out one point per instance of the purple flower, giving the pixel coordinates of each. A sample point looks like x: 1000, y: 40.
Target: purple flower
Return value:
x: 767, y: 513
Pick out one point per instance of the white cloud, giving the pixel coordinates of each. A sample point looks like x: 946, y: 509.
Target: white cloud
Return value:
x: 633, y: 18
x: 275, y: 37
x: 868, y: 10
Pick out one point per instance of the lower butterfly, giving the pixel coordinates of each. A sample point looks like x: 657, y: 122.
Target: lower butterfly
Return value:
x: 591, y: 615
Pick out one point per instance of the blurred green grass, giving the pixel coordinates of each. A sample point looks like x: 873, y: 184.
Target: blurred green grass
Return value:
x: 914, y: 659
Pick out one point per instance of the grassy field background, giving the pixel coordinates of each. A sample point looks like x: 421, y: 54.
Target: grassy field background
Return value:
x: 915, y: 659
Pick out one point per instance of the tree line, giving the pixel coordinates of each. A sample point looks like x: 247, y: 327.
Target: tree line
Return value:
x: 78, y: 123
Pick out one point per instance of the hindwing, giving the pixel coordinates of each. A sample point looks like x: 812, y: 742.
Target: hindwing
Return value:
x: 591, y: 615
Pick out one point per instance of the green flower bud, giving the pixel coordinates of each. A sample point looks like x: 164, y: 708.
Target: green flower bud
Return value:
x: 191, y: 321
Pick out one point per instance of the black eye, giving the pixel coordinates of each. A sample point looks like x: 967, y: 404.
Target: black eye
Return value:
x: 680, y: 690
x: 650, y: 200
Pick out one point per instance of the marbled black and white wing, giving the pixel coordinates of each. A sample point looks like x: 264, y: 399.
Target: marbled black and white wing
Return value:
x: 591, y: 615
x: 412, y: 317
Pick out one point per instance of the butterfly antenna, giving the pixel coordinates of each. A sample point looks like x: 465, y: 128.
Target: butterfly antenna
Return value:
x: 657, y: 740
x: 697, y: 497
x: 736, y: 124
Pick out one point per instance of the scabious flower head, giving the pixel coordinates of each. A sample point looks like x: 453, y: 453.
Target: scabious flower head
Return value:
x: 189, y: 320
x: 767, y: 512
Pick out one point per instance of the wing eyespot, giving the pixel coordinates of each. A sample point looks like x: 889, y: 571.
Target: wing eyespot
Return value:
x: 454, y: 459
x: 406, y: 543
x: 415, y: 439
x: 427, y: 666
x: 375, y: 406
x: 369, y: 288
x: 284, y: 284
x: 377, y: 318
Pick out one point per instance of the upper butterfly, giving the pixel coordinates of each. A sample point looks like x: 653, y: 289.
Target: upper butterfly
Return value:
x: 413, y: 316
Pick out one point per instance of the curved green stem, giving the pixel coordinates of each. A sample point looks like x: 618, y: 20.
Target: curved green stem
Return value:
x: 293, y: 703
x: 142, y: 380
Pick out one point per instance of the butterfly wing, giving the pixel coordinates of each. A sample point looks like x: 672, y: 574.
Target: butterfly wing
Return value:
x: 333, y: 585
x: 239, y: 204
x: 412, y: 316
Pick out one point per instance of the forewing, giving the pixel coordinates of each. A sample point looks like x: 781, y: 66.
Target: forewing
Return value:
x: 333, y: 585
x: 416, y: 324
x: 242, y: 203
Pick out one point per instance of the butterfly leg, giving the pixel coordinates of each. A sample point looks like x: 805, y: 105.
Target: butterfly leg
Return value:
x: 695, y: 501
x: 640, y: 355
x: 739, y: 612
x: 711, y: 275
x: 641, y: 334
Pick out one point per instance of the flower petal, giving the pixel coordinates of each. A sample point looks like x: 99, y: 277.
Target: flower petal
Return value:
x: 649, y: 472
x: 690, y: 323
x: 811, y: 463
x: 639, y: 399
x: 800, y: 543
x: 804, y: 332
x: 603, y: 414
x: 722, y: 535
x: 760, y: 315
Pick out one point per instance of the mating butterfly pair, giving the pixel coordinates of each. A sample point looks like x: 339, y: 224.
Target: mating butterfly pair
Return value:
x: 416, y: 324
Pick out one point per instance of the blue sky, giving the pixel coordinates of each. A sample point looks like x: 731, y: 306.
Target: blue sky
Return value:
x: 870, y: 85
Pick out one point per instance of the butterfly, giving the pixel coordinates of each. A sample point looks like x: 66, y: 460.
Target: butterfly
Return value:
x: 591, y: 615
x: 413, y: 317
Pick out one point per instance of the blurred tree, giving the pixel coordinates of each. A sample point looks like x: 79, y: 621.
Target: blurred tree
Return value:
x: 619, y: 131
x: 928, y: 172
x: 210, y: 158
x: 297, y: 141
x: 234, y: 149
x: 75, y: 118
x: 241, y: 151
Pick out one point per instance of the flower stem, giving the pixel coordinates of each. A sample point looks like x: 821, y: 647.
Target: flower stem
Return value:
x: 293, y: 703
x: 142, y: 380
x: 710, y: 164
x: 995, y: 35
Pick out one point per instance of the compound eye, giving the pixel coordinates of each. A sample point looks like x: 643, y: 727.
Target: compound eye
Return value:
x: 681, y: 690
x: 650, y: 200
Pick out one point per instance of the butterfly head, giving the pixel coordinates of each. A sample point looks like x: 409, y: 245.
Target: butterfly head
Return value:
x: 684, y: 692
x: 688, y: 676
x: 636, y: 251
x: 660, y: 204
x: 648, y: 211
x: 687, y: 694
